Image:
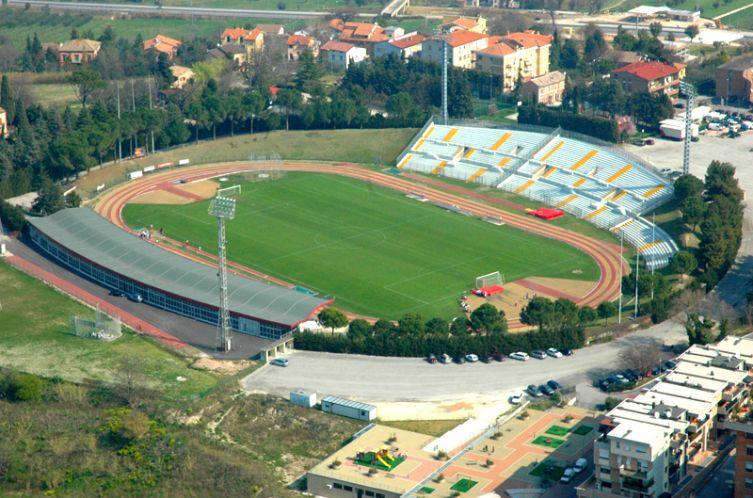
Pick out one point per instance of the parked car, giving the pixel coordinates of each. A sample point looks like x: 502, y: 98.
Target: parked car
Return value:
x: 498, y: 356
x: 650, y: 141
x: 538, y: 354
x: 567, y: 475
x: 630, y: 375
x: 534, y: 391
x: 554, y: 353
x: 665, y: 171
x: 604, y: 384
x: 432, y: 358
x: 516, y: 399
x: 546, y: 390
x: 459, y: 359
x: 486, y: 358
x: 567, y: 352
x: 670, y: 364
x: 280, y: 362
x: 444, y: 358
x: 639, y: 142
x: 554, y: 385
x: 519, y: 355
x: 135, y: 297
x: 116, y: 293
x: 581, y: 464
x: 471, y: 358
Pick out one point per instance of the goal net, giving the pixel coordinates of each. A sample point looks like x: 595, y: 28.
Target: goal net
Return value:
x: 495, y: 278
x: 232, y: 191
x: 103, y: 327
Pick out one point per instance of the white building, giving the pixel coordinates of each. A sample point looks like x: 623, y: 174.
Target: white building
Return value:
x: 462, y: 46
x: 340, y: 55
x: 404, y: 47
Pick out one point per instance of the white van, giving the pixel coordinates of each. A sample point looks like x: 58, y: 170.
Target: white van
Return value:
x: 520, y: 356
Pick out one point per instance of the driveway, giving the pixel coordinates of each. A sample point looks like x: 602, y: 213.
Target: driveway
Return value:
x: 385, y: 379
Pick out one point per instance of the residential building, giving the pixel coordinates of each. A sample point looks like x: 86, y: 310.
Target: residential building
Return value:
x: 251, y: 39
x: 4, y: 129
x: 81, y: 51
x: 272, y: 29
x: 183, y: 75
x: 360, y: 34
x: 403, y: 47
x: 236, y: 53
x: 298, y: 44
x: 653, y: 77
x: 734, y: 80
x: 648, y: 441
x: 163, y: 44
x: 521, y: 55
x: 475, y: 24
x: 462, y: 47
x: 340, y: 55
x: 548, y: 89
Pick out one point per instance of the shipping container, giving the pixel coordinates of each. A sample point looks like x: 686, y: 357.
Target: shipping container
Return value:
x: 303, y: 398
x: 348, y: 408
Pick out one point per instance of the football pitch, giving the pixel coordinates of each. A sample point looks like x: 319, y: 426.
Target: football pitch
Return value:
x: 378, y: 252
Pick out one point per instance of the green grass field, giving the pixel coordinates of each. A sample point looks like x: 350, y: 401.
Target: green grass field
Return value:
x: 557, y: 430
x: 549, y: 442
x: 34, y: 338
x: 378, y: 252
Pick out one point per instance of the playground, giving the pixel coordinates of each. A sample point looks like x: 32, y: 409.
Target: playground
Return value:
x: 524, y: 453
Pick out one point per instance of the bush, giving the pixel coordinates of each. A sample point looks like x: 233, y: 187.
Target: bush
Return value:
x: 22, y: 387
x: 610, y: 403
x: 601, y: 128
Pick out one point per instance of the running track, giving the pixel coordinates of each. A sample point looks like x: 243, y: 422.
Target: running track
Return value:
x: 110, y: 205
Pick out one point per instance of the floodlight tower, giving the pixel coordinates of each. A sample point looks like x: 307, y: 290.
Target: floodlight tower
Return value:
x: 441, y: 35
x: 689, y: 92
x: 222, y: 208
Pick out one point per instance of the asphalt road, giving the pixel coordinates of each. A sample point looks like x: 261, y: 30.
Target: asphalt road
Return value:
x: 372, y: 378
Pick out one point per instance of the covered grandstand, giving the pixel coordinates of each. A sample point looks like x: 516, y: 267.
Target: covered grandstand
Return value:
x: 582, y: 176
x: 89, y: 245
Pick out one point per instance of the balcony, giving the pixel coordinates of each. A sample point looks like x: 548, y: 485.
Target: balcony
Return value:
x: 634, y: 473
x: 640, y: 485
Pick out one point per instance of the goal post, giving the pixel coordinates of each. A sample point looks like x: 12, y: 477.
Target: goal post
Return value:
x: 231, y: 191
x: 494, y: 278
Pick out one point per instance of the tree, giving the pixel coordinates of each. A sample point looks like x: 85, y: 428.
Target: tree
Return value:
x: 332, y: 318
x: 687, y: 186
x: 50, y: 198
x: 641, y: 358
x: 655, y: 28
x: 699, y: 330
x: 290, y: 100
x: 693, y: 212
x: 437, y: 327
x: 87, y: 80
x: 692, y: 31
x: 683, y: 263
x: 487, y: 318
x: 411, y: 324
x: 595, y: 44
x: 537, y: 312
x: 6, y: 98
x: 569, y: 57
x: 605, y: 310
x: 587, y: 314
x: 359, y: 329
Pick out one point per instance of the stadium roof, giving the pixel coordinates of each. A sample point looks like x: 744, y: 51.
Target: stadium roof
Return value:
x: 84, y: 232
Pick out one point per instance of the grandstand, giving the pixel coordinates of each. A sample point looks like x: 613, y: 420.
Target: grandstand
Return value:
x: 577, y: 174
x: 86, y: 243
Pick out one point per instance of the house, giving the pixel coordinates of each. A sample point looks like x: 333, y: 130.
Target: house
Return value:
x: 340, y: 55
x: 475, y: 24
x: 251, y: 39
x: 272, y: 29
x: 183, y: 75
x: 622, y: 58
x: 4, y: 129
x: 653, y: 77
x: 360, y: 34
x: 236, y: 53
x: 163, y: 44
x: 734, y: 80
x: 80, y: 51
x: 648, y: 443
x: 298, y: 44
x: 547, y: 89
x: 462, y: 46
x: 521, y: 55
x: 403, y: 47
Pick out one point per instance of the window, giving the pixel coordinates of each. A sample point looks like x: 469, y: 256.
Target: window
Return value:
x: 337, y: 485
x: 748, y: 466
x: 604, y: 470
x: 369, y: 493
x: 348, y: 488
x: 379, y: 495
x: 749, y: 450
x: 749, y: 483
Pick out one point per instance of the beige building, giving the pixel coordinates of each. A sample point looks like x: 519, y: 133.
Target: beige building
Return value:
x: 516, y: 55
x: 298, y: 44
x: 734, y: 80
x: 462, y: 47
x: 164, y: 44
x: 475, y: 24
x: 81, y: 51
x: 4, y: 130
x: 548, y: 89
x: 183, y: 75
x: 251, y: 39
x: 653, y: 77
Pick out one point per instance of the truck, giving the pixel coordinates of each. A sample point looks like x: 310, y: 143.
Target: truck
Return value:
x: 674, y: 129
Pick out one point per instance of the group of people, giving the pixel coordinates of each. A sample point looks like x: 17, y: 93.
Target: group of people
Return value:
x: 464, y: 303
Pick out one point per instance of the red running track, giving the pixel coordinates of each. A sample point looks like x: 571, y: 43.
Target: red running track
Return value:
x: 609, y: 262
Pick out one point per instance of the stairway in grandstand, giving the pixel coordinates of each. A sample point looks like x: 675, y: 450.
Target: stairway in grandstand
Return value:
x: 596, y: 183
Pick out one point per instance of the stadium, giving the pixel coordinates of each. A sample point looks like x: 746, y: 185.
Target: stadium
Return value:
x: 378, y: 243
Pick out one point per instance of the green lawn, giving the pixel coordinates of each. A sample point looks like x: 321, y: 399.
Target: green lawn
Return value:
x: 463, y: 485
x: 558, y: 430
x: 582, y: 430
x: 54, y: 95
x: 549, y: 442
x: 548, y: 470
x: 315, y: 5
x: 34, y: 338
x: 377, y: 251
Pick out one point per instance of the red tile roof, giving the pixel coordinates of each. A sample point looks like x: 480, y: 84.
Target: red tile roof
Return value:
x: 407, y: 41
x: 236, y: 33
x: 359, y: 31
x: 648, y: 70
x: 162, y: 43
x: 528, y: 39
x: 303, y: 40
x: 337, y: 46
x: 500, y: 49
x: 462, y: 37
x: 462, y: 22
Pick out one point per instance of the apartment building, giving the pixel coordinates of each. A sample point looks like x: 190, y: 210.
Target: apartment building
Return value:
x: 653, y: 77
x: 548, y: 89
x: 647, y: 441
x: 340, y: 55
x: 734, y: 80
x: 462, y: 47
x: 523, y: 55
x: 403, y: 47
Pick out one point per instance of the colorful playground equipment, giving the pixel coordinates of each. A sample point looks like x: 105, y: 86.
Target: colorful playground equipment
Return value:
x: 384, y: 458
